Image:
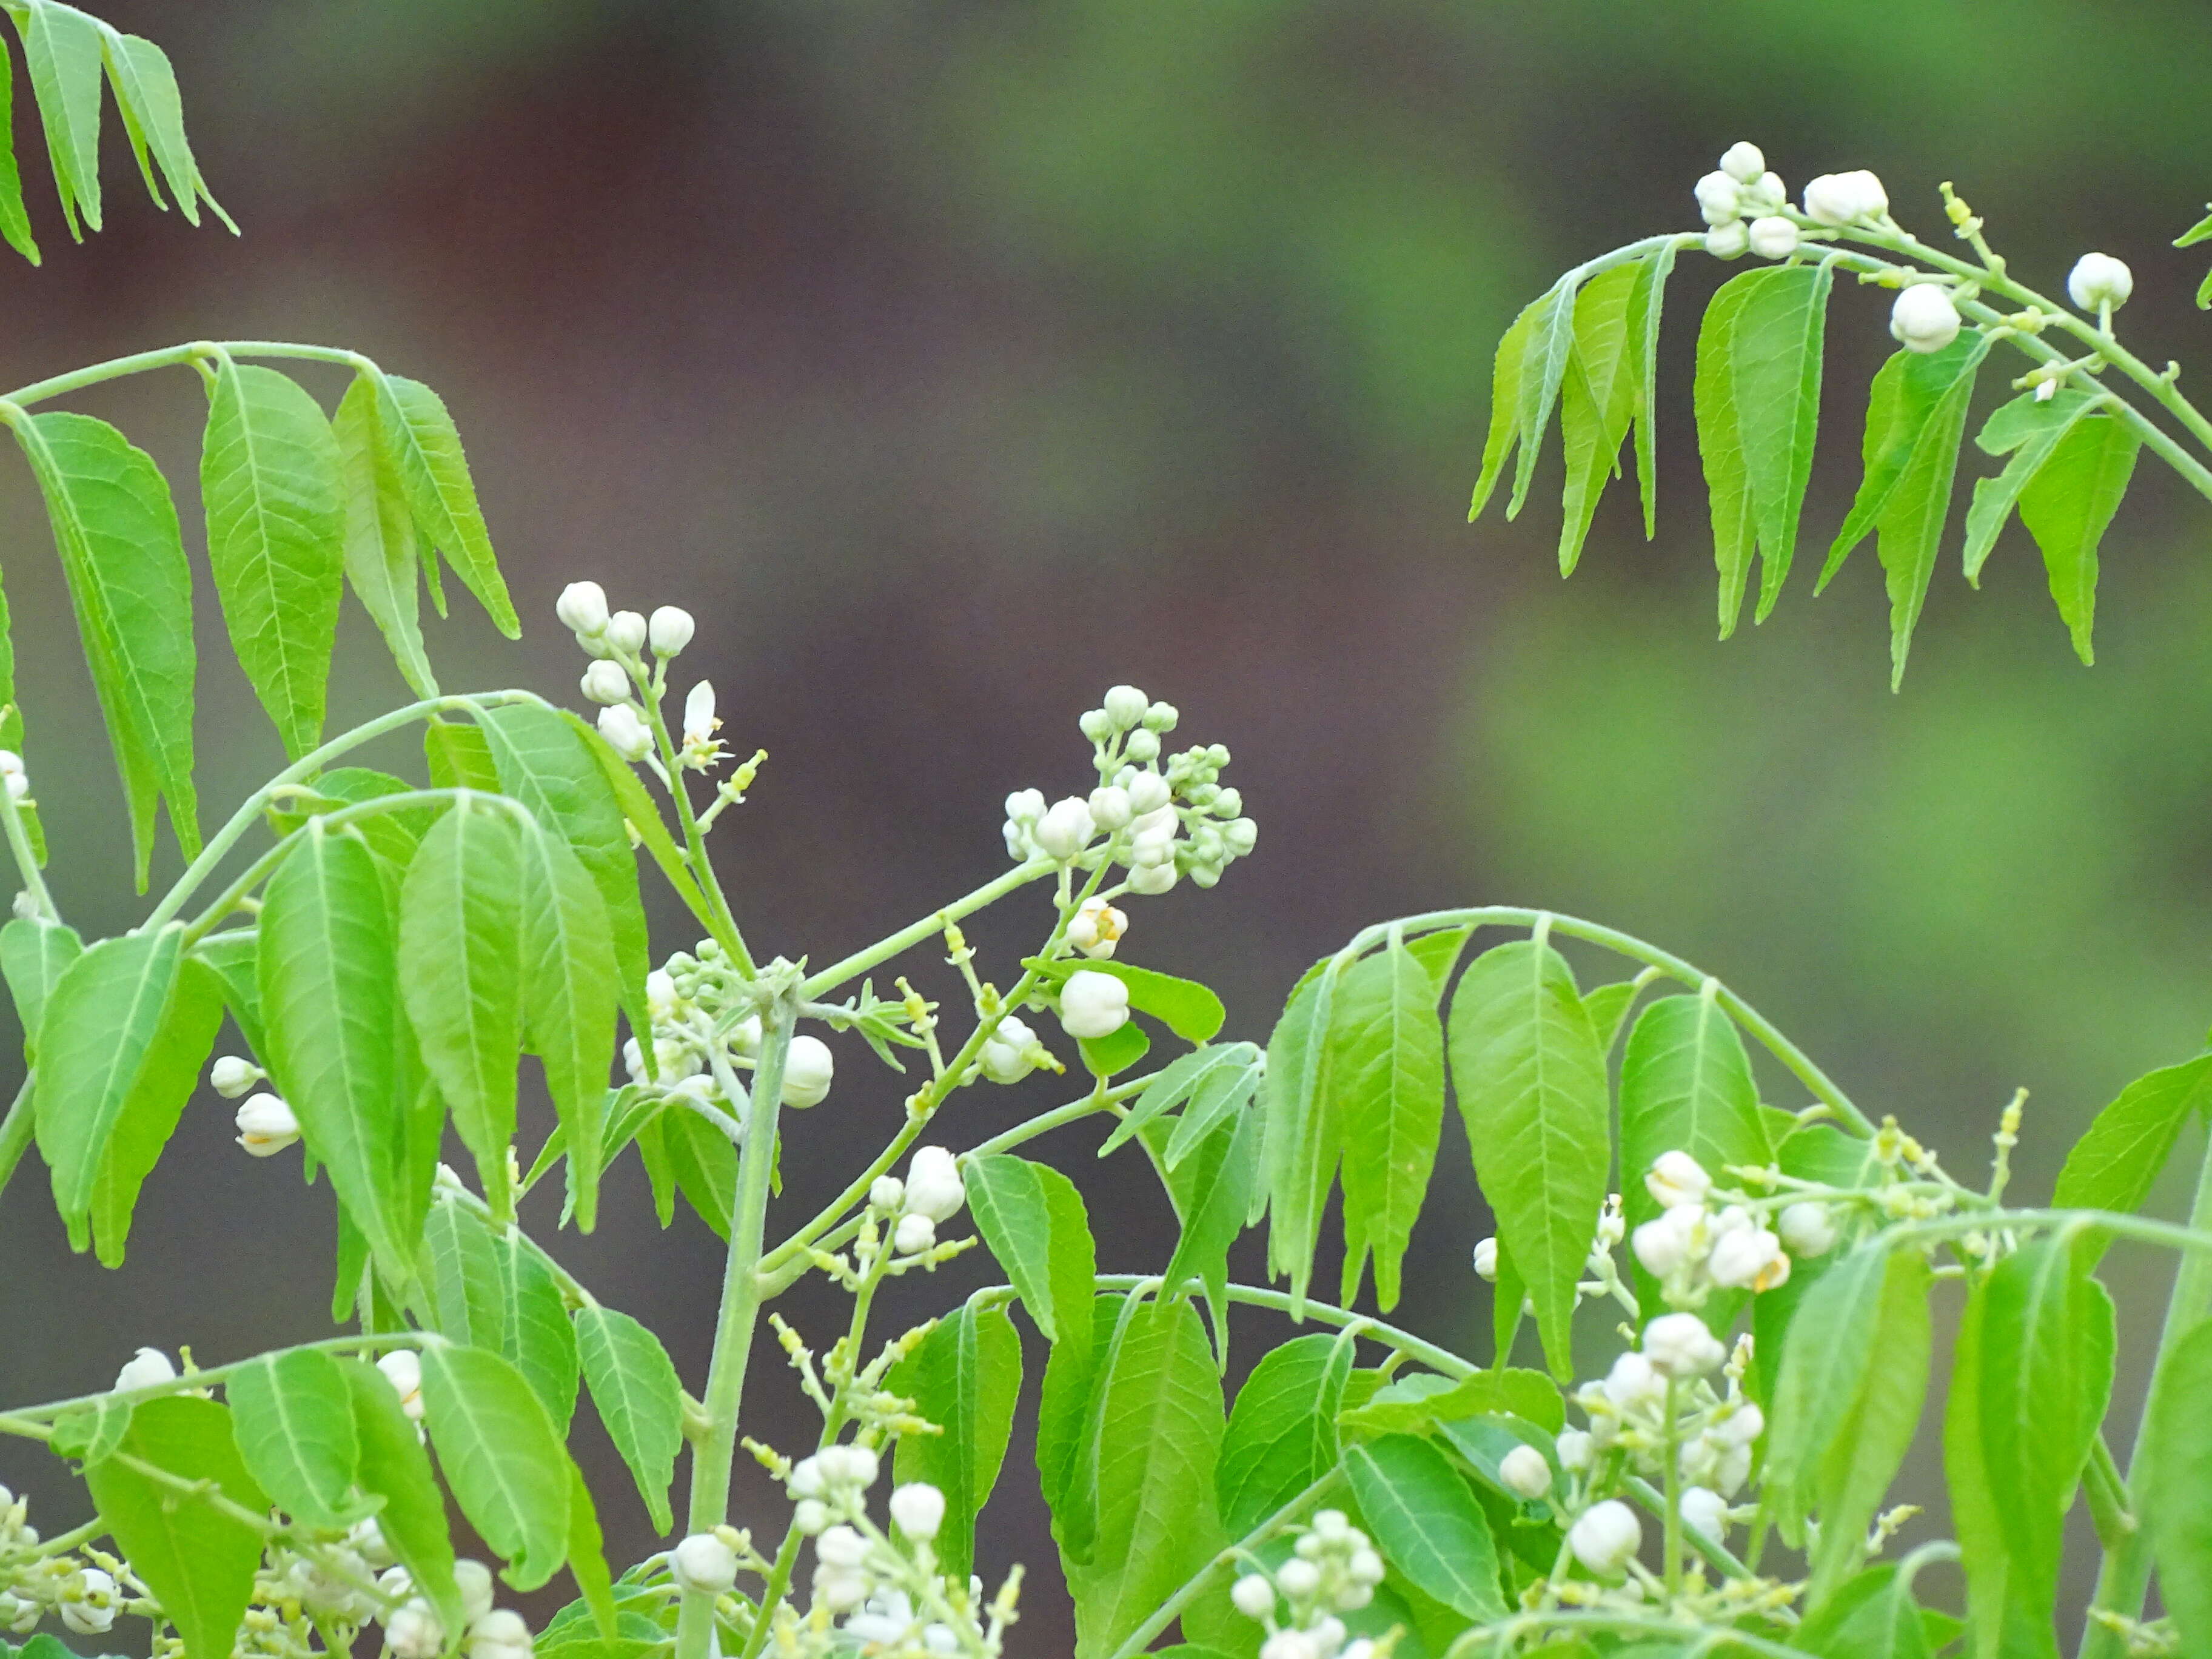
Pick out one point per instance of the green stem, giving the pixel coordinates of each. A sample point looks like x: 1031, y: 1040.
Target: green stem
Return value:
x: 1323, y: 1313
x: 1141, y: 1638
x: 714, y: 1453
x: 212, y: 1373
x: 179, y: 356
x: 27, y: 859
x: 1670, y: 1548
x: 17, y: 1128
x: 723, y: 921
x: 1712, y: 1549
x: 2107, y: 1493
x: 914, y: 932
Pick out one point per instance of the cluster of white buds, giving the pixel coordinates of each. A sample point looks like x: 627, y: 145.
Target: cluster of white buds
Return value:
x: 683, y: 998
x: 266, y: 1125
x: 1742, y: 203
x: 412, y: 1629
x: 931, y: 1195
x: 2097, y: 282
x: 1713, y: 1433
x: 1333, y: 1569
x: 1143, y: 806
x: 617, y: 675
x: 34, y: 1582
x: 11, y: 768
x: 1097, y: 928
x: 1093, y: 1005
x: 1694, y: 1247
x: 328, y: 1584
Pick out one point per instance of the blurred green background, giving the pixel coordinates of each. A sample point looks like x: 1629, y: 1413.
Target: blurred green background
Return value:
x: 953, y: 362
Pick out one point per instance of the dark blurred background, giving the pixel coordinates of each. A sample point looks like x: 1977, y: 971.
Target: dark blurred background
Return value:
x: 953, y: 363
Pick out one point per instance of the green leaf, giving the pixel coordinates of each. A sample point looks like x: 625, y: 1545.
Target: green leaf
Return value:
x: 393, y: 835
x: 1720, y: 450
x: 292, y: 1414
x: 116, y: 529
x: 233, y: 958
x: 1506, y: 401
x: 2201, y: 231
x: 1914, y: 418
x: 1212, y: 1192
x: 534, y: 1330
x: 433, y: 475
x: 1109, y: 1056
x: 91, y: 1433
x: 270, y: 481
x: 378, y: 539
x: 459, y: 756
x: 639, y: 1398
x: 2003, y: 1618
x: 154, y: 116
x: 1146, y: 1471
x: 1177, y: 1081
x: 462, y: 1272
x: 1598, y: 399
x: 61, y: 45
x: 1063, y: 1415
x: 1426, y: 1523
x: 2046, y: 1374
x: 1824, y: 1372
x: 1281, y: 1436
x: 198, y: 1562
x: 1532, y: 1086
x: 1855, y: 1474
x: 705, y: 1166
x: 1872, y: 1617
x: 1387, y: 1070
x: 15, y: 223
x: 1189, y: 1009
x: 33, y: 955
x: 1686, y: 1084
x: 1303, y: 1137
x: 394, y: 1467
x: 1219, y: 1094
x: 460, y: 974
x: 1034, y: 1222
x: 587, y: 1557
x: 2029, y: 429
x: 546, y: 766
x: 329, y: 961
x: 2118, y: 1159
x: 2177, y: 1464
x: 964, y: 1378
x: 501, y: 1457
x: 1644, y: 307
x: 1424, y: 1400
x: 643, y: 816
x: 2067, y: 508
x: 570, y: 991
x: 1543, y: 368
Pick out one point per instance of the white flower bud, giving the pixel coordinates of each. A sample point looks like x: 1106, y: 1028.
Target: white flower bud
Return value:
x: 917, y: 1509
x: 1253, y: 1595
x: 1773, y: 237
x: 1575, y: 1452
x: 1717, y: 199
x: 704, y: 1564
x: 669, y: 629
x: 1096, y: 724
x: 1153, y: 879
x: 1366, y: 1566
x: 913, y: 1235
x: 886, y: 1193
x: 745, y: 1038
x: 849, y: 1465
x: 1808, y: 1229
x: 582, y: 608
x: 473, y: 1580
x: 1605, y: 1537
x: 1110, y: 807
x: 415, y: 1633
x: 1485, y: 1258
x: 1765, y: 195
x: 1663, y: 1245
x: 1065, y: 829
x: 840, y: 1546
x: 625, y: 732
x: 1026, y: 805
x: 698, y: 722
x: 266, y: 1125
x: 626, y: 632
x: 1675, y: 1178
x: 1679, y: 1345
x: 1143, y: 747
x: 1744, y: 162
x: 660, y: 993
x: 808, y: 1065
x: 402, y: 1368
x: 233, y: 1077
x: 1727, y: 241
x: 1126, y: 706
x: 1093, y: 1005
x: 934, y: 1187
x: 499, y: 1635
x: 149, y: 1367
x: 1290, y: 1644
x: 807, y: 1479
x: 1924, y: 318
x: 1845, y: 198
x: 1706, y: 1511
x: 606, y: 682
x: 2099, y: 280
x: 1633, y: 1386
x: 19, y: 784
x: 809, y: 1516
x: 1297, y: 1578
x: 841, y: 1592
x: 1749, y: 1257
x: 1148, y: 793
x: 367, y: 1539
x: 1525, y: 1473
x: 1743, y: 1426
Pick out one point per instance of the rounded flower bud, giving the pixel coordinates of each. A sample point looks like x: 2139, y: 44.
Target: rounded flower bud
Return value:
x: 1253, y: 1595
x: 704, y: 1564
x: 2099, y: 280
x: 917, y: 1509
x: 1240, y: 836
x: 1663, y: 1245
x: 1148, y: 793
x: 1485, y: 1258
x: 1675, y: 1178
x: 582, y: 608
x: 1065, y: 829
x: 840, y: 1546
x: 1808, y: 1229
x: 606, y: 682
x: 669, y: 629
x: 1924, y: 318
x: 1006, y: 1055
x: 1024, y: 807
x: 626, y: 632
x: 1126, y: 706
x: 1093, y: 1005
x: 266, y: 1125
x: 1634, y: 1385
x: 1575, y: 1452
x: 367, y: 1539
x: 1153, y: 879
x: 808, y: 1065
x: 150, y: 1366
x: 1143, y: 746
x: 1845, y: 198
x: 402, y: 1368
x: 809, y: 1516
x: 1773, y: 237
x: 849, y: 1465
x: 841, y: 1592
x: 233, y: 1077
x: 914, y: 1234
x: 1717, y: 199
x: 1743, y: 1426
x: 1096, y: 724
x: 500, y: 1634
x: 886, y: 1193
x: 473, y: 1580
x: 1706, y: 1511
x: 1744, y: 162
x: 1605, y: 1537
x: 934, y: 1187
x: 1290, y: 1644
x: 1749, y: 1257
x: 1162, y: 717
x: 1297, y: 1578
x: 1679, y: 1345
x: 1727, y: 241
x: 1525, y: 1473
x: 625, y: 732
x: 1110, y: 808
x: 1765, y: 195
x: 414, y: 1631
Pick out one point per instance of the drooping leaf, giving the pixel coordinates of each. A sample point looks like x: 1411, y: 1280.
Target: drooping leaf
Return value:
x: 33, y: 954
x: 380, y: 552
x: 2119, y: 1157
x: 1426, y: 1523
x: 433, y: 475
x: 459, y: 756
x: 270, y: 482
x: 233, y: 956
x: 154, y: 116
x: 1824, y: 1373
x: 116, y: 529
x: 1543, y: 368
x: 2029, y: 429
x: 1177, y: 1081
x: 60, y: 46
x: 501, y: 1457
x: 1532, y: 1086
x: 1281, y: 1436
x: 1872, y: 1617
x: 1302, y: 1138
x: 1063, y: 1416
x: 1221, y: 1093
x: 1644, y: 307
x: 2177, y: 1464
x: 535, y: 1334
x: 461, y: 1273
x: 394, y: 1467
x: 570, y: 989
x: 2067, y: 507
x: 2003, y: 1620
x: 1855, y: 1474
x: 587, y: 1558
x: 704, y: 1164
x: 15, y: 223
x: 1034, y: 1222
x: 1598, y: 397
x: 964, y: 1378
x: 1388, y: 1072
x: 155, y: 1105
x: 639, y: 1398
x: 1424, y: 1400
x: 1211, y: 1191
x: 1506, y: 401
x: 293, y: 1415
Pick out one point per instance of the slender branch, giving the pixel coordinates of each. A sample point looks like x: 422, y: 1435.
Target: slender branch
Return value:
x: 1711, y: 1548
x: 177, y: 356
x: 26, y: 858
x: 1501, y: 1637
x: 1323, y: 1313
x: 723, y: 922
x: 17, y: 1128
x: 928, y: 927
x: 212, y: 1373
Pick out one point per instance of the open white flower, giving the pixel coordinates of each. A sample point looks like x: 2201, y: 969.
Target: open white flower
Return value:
x: 148, y: 1367
x: 266, y: 1125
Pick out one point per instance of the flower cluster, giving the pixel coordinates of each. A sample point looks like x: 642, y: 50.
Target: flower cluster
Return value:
x: 1163, y: 817
x: 1742, y: 203
x: 18, y: 781
x: 412, y: 1629
x: 931, y: 1195
x: 628, y: 692
x: 703, y: 1036
x: 35, y: 1581
x: 1695, y: 1247
x: 1628, y: 1410
x: 1333, y: 1569
x: 266, y: 1125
